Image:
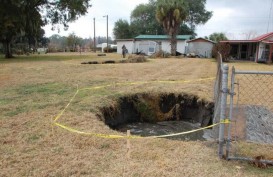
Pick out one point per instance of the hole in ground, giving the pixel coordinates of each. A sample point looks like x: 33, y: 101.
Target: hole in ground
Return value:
x: 158, y: 114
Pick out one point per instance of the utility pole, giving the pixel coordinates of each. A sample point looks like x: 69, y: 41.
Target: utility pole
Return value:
x: 107, y: 30
x: 94, y: 35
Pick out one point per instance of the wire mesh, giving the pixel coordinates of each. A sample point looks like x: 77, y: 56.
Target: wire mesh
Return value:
x: 217, y: 95
x: 252, y: 119
x: 217, y: 89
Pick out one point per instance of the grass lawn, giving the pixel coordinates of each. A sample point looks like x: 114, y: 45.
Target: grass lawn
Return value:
x: 35, y: 89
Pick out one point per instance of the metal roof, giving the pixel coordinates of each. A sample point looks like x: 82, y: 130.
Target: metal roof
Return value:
x: 263, y: 37
x: 200, y: 38
x: 257, y: 39
x: 239, y: 41
x: 162, y: 37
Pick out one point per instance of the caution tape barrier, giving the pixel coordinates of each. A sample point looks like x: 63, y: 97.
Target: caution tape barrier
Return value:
x: 108, y: 136
x: 226, y: 121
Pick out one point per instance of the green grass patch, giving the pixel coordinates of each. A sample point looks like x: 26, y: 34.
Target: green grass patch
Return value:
x: 16, y: 111
x: 5, y: 101
x: 45, y: 57
x: 45, y: 89
x: 33, y: 97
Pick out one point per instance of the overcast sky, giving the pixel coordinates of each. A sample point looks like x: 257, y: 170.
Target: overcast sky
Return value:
x: 235, y: 18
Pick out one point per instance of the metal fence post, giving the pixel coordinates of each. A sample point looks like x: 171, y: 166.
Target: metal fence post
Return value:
x: 223, y: 109
x: 230, y: 111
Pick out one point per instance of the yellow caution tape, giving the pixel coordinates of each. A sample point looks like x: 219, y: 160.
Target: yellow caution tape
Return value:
x: 225, y: 121
x: 130, y: 137
x: 72, y: 130
x: 187, y: 132
x: 62, y: 112
x: 94, y: 134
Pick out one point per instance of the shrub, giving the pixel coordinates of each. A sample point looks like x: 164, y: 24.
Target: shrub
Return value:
x: 160, y: 54
x: 136, y: 59
x: 223, y: 48
x: 110, y: 50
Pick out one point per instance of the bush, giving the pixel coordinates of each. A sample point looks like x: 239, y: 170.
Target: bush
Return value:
x: 110, y: 50
x: 223, y: 48
x: 136, y: 59
x: 161, y: 54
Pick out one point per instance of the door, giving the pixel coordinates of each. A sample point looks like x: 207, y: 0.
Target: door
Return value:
x: 243, y: 51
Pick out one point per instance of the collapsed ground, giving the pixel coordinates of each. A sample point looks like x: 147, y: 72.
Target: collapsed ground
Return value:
x: 33, y: 91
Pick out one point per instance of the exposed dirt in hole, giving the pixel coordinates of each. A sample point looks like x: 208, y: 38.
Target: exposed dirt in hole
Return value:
x: 158, y: 109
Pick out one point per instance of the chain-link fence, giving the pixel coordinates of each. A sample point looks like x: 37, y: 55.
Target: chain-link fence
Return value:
x: 245, y: 114
x: 251, y: 113
x: 219, y: 101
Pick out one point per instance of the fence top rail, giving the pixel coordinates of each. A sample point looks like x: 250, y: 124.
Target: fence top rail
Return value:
x: 254, y: 72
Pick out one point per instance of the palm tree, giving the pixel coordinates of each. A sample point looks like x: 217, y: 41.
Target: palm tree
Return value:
x: 170, y: 14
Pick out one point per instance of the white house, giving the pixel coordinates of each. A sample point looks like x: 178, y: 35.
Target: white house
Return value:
x: 200, y: 46
x: 150, y: 44
x: 259, y: 49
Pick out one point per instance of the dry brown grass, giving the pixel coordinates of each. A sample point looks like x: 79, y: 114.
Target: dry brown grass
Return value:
x: 33, y: 91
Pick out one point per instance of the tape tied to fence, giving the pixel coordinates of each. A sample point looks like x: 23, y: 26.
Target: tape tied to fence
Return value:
x: 120, y: 136
x: 225, y: 121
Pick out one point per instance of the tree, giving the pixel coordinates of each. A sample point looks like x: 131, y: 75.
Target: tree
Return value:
x: 26, y: 17
x: 249, y: 34
x: 11, y: 24
x: 73, y: 41
x: 216, y: 37
x: 170, y: 15
x: 143, y: 19
x: 122, y: 30
x: 197, y: 13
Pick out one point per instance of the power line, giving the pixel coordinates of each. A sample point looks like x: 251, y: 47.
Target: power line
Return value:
x: 269, y: 16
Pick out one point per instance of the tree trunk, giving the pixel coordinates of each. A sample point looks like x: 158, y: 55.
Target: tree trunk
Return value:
x: 173, y: 44
x: 7, y: 48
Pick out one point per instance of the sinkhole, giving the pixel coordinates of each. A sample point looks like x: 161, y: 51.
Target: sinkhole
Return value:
x: 152, y: 114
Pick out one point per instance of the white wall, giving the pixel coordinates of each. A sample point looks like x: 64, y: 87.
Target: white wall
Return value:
x: 103, y: 45
x: 201, y: 48
x: 128, y: 44
x: 133, y: 47
x: 261, y: 49
x: 181, y: 46
x: 166, y: 46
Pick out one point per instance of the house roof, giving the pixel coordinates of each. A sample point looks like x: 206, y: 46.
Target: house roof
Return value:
x: 256, y: 39
x: 238, y: 41
x: 200, y: 38
x: 124, y: 39
x: 263, y: 37
x: 162, y: 37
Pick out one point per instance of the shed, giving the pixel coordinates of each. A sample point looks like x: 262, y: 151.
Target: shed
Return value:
x: 129, y: 43
x: 201, y: 46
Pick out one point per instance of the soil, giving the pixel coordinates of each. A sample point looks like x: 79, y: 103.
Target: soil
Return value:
x: 158, y: 107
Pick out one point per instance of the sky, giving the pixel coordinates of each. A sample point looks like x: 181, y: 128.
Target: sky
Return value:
x: 238, y: 19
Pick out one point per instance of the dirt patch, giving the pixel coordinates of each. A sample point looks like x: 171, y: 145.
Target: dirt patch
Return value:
x: 131, y: 59
x: 157, y: 107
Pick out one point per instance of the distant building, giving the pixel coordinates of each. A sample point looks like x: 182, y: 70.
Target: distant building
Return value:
x: 42, y: 50
x: 150, y: 44
x: 259, y: 49
x: 201, y: 47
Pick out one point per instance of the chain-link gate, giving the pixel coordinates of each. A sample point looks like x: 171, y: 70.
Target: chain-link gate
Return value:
x: 245, y: 114
x: 250, y: 131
